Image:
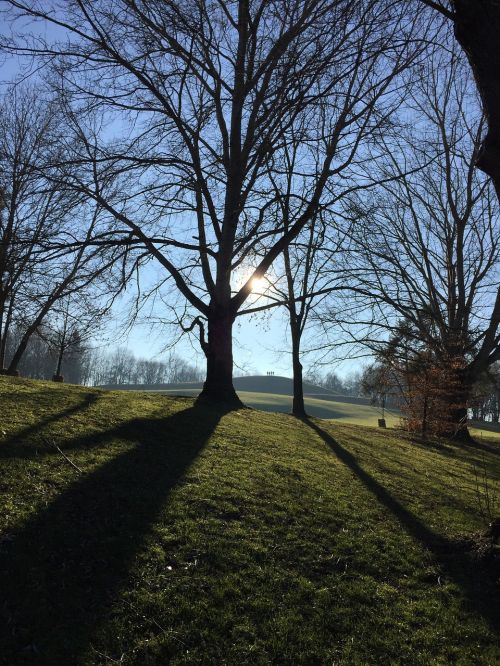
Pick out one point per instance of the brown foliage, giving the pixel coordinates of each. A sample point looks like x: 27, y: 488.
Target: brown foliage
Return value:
x: 435, y: 395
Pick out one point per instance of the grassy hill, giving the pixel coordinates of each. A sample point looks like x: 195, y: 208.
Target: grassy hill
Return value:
x: 274, y: 394
x: 348, y: 412
x: 182, y: 535
x: 253, y: 384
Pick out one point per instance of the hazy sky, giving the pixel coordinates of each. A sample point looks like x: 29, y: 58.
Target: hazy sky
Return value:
x: 261, y: 342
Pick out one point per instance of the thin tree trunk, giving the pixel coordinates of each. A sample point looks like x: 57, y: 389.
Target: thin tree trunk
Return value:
x: 2, y: 343
x: 424, y: 416
x: 5, y: 332
x: 21, y: 348
x: 298, y: 407
x: 59, y: 361
x: 218, y: 386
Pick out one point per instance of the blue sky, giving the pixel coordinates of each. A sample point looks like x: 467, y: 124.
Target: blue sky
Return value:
x: 261, y: 343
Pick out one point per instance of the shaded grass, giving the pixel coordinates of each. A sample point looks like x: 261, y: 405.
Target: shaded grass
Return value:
x: 195, y: 537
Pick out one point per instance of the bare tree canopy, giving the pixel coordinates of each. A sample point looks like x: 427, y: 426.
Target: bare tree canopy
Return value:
x: 179, y: 109
x: 430, y: 258
x: 45, y: 227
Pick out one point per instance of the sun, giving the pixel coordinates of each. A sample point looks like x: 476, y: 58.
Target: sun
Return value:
x: 259, y: 284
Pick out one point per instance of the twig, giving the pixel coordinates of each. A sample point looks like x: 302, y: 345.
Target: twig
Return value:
x: 106, y: 656
x: 64, y: 456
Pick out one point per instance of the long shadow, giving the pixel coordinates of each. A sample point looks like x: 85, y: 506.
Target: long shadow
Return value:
x: 456, y: 450
x: 477, y: 585
x: 458, y: 453
x: 60, y: 572
x: 16, y: 446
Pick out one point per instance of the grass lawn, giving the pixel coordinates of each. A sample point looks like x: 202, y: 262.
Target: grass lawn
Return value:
x: 324, y: 409
x: 195, y: 537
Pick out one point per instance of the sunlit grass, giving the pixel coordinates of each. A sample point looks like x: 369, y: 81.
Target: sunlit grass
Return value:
x: 200, y: 537
x: 326, y: 409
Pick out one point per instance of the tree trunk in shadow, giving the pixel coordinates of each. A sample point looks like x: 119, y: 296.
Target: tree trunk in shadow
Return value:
x: 218, y: 387
x: 477, y: 29
x: 458, y: 398
x: 298, y: 406
x: 459, y: 430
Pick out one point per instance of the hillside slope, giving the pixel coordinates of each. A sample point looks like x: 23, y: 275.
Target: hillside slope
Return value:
x: 140, y: 529
x: 253, y: 384
x: 346, y: 412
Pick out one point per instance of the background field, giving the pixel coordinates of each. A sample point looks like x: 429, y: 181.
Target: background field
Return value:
x: 320, y: 407
x: 274, y: 394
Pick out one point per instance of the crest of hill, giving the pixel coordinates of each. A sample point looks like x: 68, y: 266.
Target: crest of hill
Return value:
x: 273, y: 384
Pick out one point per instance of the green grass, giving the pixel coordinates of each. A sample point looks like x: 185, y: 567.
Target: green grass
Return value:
x: 200, y: 537
x: 324, y: 409
x: 344, y: 412
x: 482, y: 430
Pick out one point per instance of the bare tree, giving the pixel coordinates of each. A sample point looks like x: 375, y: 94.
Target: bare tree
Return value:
x: 31, y: 208
x: 72, y: 323
x: 305, y: 281
x: 46, y: 229
x: 380, y: 384
x: 70, y: 271
x: 431, y: 257
x: 306, y: 272
x: 205, y: 94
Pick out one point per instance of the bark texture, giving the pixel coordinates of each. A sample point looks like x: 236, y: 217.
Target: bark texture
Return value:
x: 218, y: 386
x: 298, y: 406
x: 477, y: 29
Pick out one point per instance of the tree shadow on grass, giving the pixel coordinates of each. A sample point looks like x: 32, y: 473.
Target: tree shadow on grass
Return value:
x: 18, y: 446
x: 456, y: 449
x: 478, y: 586
x: 61, y: 571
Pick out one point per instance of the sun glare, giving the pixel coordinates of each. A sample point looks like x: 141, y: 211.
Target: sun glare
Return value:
x: 259, y: 284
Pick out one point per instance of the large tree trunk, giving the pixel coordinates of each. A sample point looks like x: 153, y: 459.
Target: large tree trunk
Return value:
x: 477, y: 29
x: 458, y: 397
x: 459, y: 430
x: 218, y: 386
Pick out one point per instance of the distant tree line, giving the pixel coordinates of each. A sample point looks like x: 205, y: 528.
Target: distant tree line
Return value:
x: 351, y: 384
x: 123, y: 367
x: 94, y: 367
x: 485, y: 404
